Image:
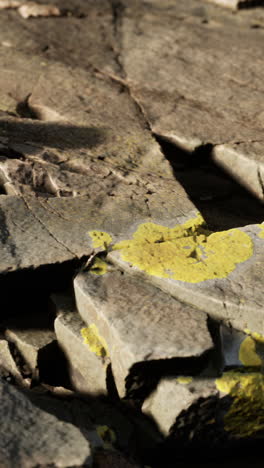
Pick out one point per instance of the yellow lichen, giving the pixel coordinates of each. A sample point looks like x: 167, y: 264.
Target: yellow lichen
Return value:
x: 107, y: 434
x: 184, y: 380
x: 99, y: 267
x: 245, y: 416
x: 261, y: 233
x: 96, y: 343
x: 100, y: 239
x: 250, y: 348
x: 187, y: 252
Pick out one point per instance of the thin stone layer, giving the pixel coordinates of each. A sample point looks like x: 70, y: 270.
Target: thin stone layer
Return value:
x: 138, y: 322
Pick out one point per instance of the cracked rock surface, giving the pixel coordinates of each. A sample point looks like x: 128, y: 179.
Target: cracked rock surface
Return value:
x: 131, y: 233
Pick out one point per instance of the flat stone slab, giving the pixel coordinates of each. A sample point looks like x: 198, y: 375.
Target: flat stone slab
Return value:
x: 221, y: 273
x: 87, y: 364
x: 194, y: 83
x: 174, y: 395
x: 30, y: 342
x: 37, y: 231
x: 34, y: 437
x: 139, y: 323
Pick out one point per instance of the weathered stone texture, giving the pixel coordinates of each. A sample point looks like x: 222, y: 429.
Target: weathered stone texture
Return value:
x: 29, y: 342
x: 236, y: 299
x: 195, y: 83
x: 139, y: 322
x: 7, y: 363
x: 87, y: 371
x: 171, y: 397
x: 32, y: 437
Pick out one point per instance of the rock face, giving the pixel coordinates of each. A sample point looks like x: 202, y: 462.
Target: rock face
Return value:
x: 30, y: 436
x: 139, y: 324
x: 87, y: 367
x: 131, y: 217
x: 224, y: 288
x: 194, y: 83
x: 172, y: 396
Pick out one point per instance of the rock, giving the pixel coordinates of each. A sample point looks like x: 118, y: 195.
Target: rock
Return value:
x: 194, y: 83
x: 7, y: 363
x: 245, y: 163
x: 87, y: 368
x: 58, y: 227
x: 174, y: 395
x: 135, y: 321
x: 225, y: 280
x: 30, y: 342
x: 236, y: 4
x: 33, y: 436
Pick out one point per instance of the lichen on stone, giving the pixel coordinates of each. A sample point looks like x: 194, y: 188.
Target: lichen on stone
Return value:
x: 184, y: 380
x: 99, y: 267
x: 245, y: 416
x: 95, y: 342
x: 187, y: 252
x: 251, y: 352
x: 107, y: 435
x: 100, y: 239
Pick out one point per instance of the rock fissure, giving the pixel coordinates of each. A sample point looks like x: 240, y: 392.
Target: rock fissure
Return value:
x: 46, y: 228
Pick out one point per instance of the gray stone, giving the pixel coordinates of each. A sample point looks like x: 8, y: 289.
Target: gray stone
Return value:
x: 138, y: 322
x: 58, y: 227
x: 171, y: 397
x: 194, y: 83
x: 245, y: 163
x: 7, y: 362
x: 87, y: 368
x: 33, y: 437
x: 30, y: 342
x: 234, y: 297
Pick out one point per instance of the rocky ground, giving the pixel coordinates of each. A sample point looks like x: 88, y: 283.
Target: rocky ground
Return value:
x: 132, y: 235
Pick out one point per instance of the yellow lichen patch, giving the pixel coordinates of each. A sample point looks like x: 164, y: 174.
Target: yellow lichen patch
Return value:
x: 184, y: 380
x: 251, y: 349
x: 96, y: 343
x: 247, y: 353
x: 245, y: 416
x: 261, y: 233
x: 100, y: 239
x: 99, y: 267
x: 187, y: 252
x: 107, y: 435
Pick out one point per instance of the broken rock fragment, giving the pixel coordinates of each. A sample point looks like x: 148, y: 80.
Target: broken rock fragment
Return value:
x: 34, y: 437
x: 87, y: 359
x: 30, y: 342
x: 144, y: 328
x: 8, y: 365
x: 220, y: 272
x: 174, y: 395
x: 194, y: 83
